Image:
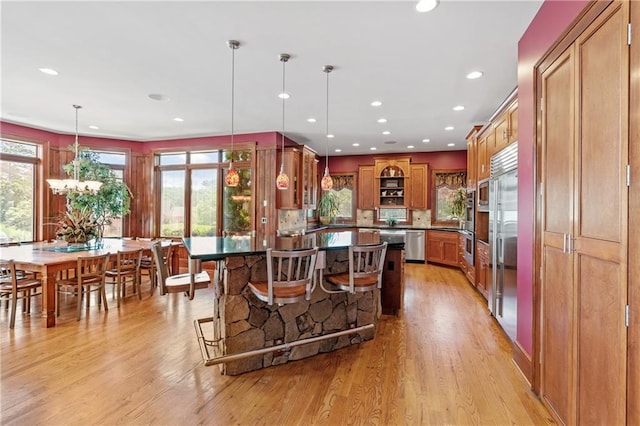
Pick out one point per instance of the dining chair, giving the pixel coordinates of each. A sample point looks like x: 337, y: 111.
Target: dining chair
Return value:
x: 127, y: 267
x: 89, y: 277
x: 180, y: 283
x: 366, y: 263
x: 13, y: 287
x: 289, y: 276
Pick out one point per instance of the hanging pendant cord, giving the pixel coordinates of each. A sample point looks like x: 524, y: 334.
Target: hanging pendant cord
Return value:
x: 233, y: 81
x: 284, y: 61
x: 76, y: 172
x: 327, y: 126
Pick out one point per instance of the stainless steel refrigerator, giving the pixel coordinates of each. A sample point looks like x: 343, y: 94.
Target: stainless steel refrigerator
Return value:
x: 503, y: 238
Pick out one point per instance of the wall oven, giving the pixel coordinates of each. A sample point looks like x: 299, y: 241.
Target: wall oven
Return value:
x: 470, y: 212
x: 483, y: 195
x: 469, y: 247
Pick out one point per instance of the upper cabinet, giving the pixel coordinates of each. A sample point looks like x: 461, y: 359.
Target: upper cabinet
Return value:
x: 472, y: 157
x: 418, y: 183
x: 484, y: 141
x: 392, y: 183
x: 309, y: 179
x: 290, y: 198
x: 366, y: 187
x: 392, y: 176
x: 301, y: 165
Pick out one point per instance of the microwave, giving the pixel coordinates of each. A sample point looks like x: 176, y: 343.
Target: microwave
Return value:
x: 482, y: 195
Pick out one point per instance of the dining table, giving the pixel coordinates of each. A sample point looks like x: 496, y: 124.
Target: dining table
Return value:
x: 47, y: 259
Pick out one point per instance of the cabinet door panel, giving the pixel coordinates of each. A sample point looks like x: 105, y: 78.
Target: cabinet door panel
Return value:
x: 418, y: 185
x: 557, y: 333
x: 367, y: 187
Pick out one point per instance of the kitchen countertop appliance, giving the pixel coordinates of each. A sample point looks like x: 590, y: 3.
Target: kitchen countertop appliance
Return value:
x: 503, y: 237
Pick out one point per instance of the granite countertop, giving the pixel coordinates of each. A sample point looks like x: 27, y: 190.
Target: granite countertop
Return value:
x: 315, y: 228
x: 218, y: 248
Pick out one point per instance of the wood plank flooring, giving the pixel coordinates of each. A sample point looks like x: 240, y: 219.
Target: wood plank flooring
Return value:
x: 444, y: 362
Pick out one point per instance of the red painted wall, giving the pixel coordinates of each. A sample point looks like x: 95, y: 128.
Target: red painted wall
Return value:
x: 436, y: 160
x: 552, y: 19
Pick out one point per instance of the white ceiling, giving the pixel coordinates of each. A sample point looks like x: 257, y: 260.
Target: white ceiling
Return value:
x: 112, y: 55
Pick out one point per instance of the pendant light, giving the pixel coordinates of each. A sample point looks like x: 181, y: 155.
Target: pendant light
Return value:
x: 327, y: 182
x: 232, y: 178
x: 282, y: 181
x: 75, y: 185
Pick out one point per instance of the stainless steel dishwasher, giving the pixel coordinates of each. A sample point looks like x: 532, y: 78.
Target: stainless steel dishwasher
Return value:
x: 414, y: 246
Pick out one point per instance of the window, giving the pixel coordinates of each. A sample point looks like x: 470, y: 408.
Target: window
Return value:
x: 444, y: 186
x: 19, y: 163
x: 191, y: 203
x: 116, y: 162
x: 343, y: 188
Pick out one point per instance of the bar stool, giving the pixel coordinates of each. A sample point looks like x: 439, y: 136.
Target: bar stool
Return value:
x: 289, y: 276
x: 187, y: 283
x: 366, y: 263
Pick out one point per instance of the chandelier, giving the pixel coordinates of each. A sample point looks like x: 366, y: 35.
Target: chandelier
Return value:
x: 75, y: 185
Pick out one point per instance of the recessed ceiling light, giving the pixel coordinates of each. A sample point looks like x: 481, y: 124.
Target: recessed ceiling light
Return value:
x: 382, y: 120
x: 178, y: 119
x: 159, y: 97
x: 474, y: 74
x: 411, y: 147
x: 311, y: 120
x: 451, y: 144
x: 355, y: 144
x: 449, y: 128
x: 426, y: 140
x: 284, y: 96
x: 376, y: 103
x: 331, y: 136
x: 338, y: 150
x: 426, y: 5
x: 373, y: 148
x: 458, y: 108
x: 48, y: 71
x: 386, y: 132
x: 94, y: 127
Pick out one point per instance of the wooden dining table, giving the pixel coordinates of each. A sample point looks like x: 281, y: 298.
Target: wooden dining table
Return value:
x: 49, y: 258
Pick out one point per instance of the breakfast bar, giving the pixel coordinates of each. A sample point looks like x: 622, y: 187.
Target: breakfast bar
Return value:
x: 271, y: 334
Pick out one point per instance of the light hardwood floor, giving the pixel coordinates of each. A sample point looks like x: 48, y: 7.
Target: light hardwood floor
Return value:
x: 445, y: 361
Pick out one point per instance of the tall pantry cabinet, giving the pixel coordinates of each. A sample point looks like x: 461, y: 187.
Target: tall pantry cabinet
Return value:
x: 584, y: 152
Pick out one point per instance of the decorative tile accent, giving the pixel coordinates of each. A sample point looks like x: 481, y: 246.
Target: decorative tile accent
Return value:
x: 421, y: 218
x: 364, y: 217
x: 292, y: 220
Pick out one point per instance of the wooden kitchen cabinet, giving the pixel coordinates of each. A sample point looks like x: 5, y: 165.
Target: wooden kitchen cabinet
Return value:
x: 472, y: 157
x: 506, y: 127
x: 418, y: 187
x: 483, y: 277
x: 290, y: 198
x: 309, y: 179
x: 483, y: 157
x: 392, y: 178
x: 468, y: 270
x: 442, y: 247
x: 367, y: 187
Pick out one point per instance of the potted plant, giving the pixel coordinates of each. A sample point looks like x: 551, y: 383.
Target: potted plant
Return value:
x: 77, y: 226
x: 112, y: 201
x: 458, y: 201
x: 328, y: 207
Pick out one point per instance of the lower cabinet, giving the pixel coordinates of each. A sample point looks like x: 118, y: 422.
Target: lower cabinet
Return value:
x: 467, y: 269
x: 483, y: 279
x: 442, y: 247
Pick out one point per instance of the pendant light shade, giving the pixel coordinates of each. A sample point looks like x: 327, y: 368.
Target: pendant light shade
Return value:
x: 232, y: 178
x: 282, y: 181
x: 75, y: 185
x: 327, y: 182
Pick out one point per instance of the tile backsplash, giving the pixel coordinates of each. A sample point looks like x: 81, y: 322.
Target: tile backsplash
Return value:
x: 421, y: 218
x: 364, y: 217
x: 291, y: 220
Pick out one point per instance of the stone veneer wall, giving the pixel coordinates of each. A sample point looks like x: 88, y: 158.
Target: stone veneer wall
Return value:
x: 247, y: 323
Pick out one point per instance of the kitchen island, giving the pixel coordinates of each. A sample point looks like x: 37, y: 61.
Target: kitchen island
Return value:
x: 242, y: 323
